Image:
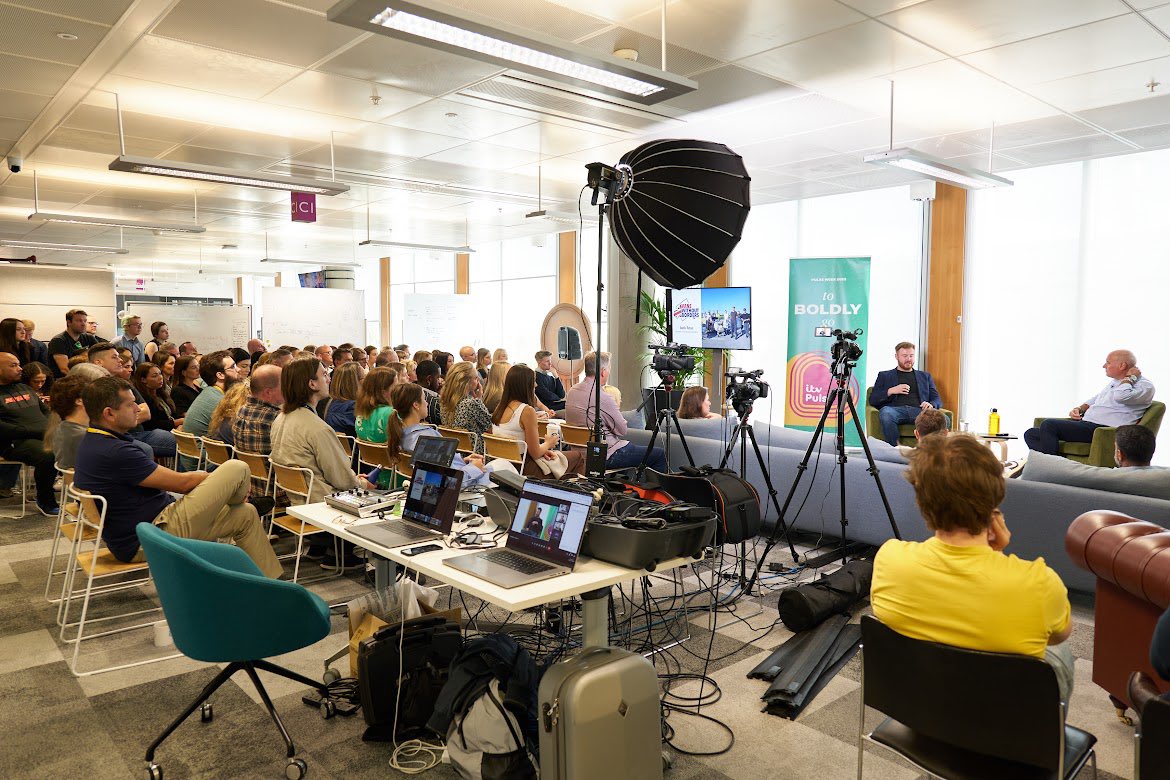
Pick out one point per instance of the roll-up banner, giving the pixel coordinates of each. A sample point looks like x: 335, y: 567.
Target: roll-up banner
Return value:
x: 824, y: 292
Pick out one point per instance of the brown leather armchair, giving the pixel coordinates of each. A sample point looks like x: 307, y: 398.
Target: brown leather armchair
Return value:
x: 1131, y: 560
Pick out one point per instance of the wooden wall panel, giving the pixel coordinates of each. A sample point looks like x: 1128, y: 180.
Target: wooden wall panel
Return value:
x: 567, y: 267
x: 713, y: 369
x: 944, y: 319
x: 462, y: 273
x: 384, y: 300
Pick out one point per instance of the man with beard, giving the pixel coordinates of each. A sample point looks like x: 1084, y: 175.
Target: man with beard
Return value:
x: 218, y: 371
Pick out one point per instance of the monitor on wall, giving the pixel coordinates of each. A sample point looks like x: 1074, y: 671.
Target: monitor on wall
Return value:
x: 712, y: 317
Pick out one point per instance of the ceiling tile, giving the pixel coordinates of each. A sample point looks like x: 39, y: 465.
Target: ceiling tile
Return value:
x: 877, y: 176
x: 879, y: 7
x: 1090, y: 47
x: 30, y: 34
x: 13, y: 128
x: 1051, y: 128
x: 349, y: 158
x: 400, y: 141
x: 1000, y: 162
x: 678, y: 59
x: 342, y: 96
x: 550, y: 139
x: 725, y: 86
x: 1149, y: 137
x: 1138, y: 113
x: 730, y: 29
x: 1159, y: 16
x: 1105, y: 87
x: 21, y: 105
x: 99, y: 11
x: 859, y: 51
x: 488, y: 157
x: 565, y: 22
x: 213, y: 70
x: 780, y: 151
x: 408, y: 66
x: 258, y: 144
x: 428, y: 170
x: 826, y: 167
x: 106, y: 143
x: 256, y: 28
x: 963, y: 26
x: 34, y: 76
x: 458, y: 120
x: 1074, y: 149
x: 804, y: 189
x: 103, y: 120
x: 219, y: 158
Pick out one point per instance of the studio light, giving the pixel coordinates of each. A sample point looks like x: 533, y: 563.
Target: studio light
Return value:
x: 932, y: 168
x: 83, y: 219
x: 462, y: 32
x: 463, y: 250
x: 211, y: 173
x: 105, y: 250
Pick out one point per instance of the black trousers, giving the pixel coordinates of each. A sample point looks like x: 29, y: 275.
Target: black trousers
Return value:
x: 1051, y: 432
x: 32, y: 452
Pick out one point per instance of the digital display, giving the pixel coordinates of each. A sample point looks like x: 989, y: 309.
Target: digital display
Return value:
x: 550, y: 522
x: 433, y: 496
x: 712, y: 317
x: 434, y: 449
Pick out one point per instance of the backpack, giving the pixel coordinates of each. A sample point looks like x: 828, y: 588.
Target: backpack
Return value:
x: 485, y: 742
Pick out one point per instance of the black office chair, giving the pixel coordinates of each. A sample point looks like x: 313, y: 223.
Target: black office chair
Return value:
x: 1151, y: 750
x: 966, y: 714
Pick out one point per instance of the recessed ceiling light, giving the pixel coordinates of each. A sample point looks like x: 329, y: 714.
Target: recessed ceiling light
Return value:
x: 67, y: 36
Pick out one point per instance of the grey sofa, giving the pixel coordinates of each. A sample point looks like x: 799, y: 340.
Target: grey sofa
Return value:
x: 1037, y: 513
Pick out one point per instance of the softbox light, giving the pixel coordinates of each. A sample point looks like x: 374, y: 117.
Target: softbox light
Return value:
x: 681, y: 208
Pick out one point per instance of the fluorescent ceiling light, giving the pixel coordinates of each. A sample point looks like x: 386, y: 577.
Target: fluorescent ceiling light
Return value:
x: 565, y: 217
x: 933, y: 168
x: 105, y: 250
x: 83, y: 219
x: 461, y: 32
x: 428, y: 247
x: 211, y: 173
x: 319, y: 263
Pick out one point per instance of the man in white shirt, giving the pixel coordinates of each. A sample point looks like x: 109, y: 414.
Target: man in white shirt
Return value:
x: 1122, y: 402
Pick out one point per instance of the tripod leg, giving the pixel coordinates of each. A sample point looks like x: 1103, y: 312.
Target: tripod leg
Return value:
x: 682, y: 439
x: 646, y: 456
x: 873, y: 469
x: 751, y: 434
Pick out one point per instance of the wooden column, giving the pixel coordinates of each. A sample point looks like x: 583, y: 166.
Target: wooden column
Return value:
x: 384, y: 300
x: 944, y: 318
x: 462, y: 273
x: 713, y: 369
x: 567, y: 267
x: 239, y: 290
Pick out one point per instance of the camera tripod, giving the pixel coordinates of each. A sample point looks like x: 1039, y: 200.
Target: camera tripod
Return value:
x: 664, y: 418
x: 839, y: 400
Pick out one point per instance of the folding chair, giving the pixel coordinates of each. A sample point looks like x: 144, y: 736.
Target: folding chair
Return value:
x: 215, y: 452
x: 298, y: 482
x: 465, y: 446
x: 67, y: 527
x: 373, y: 454
x: 574, y: 435
x: 512, y: 450
x: 346, y: 444
x: 261, y: 471
x: 189, y: 445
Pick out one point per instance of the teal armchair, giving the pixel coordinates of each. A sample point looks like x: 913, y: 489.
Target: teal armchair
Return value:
x: 221, y: 609
x: 1099, y: 452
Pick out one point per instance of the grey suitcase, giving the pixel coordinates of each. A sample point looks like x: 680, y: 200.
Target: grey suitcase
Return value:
x: 600, y: 718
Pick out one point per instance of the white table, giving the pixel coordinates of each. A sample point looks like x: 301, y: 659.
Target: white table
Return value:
x: 590, y: 579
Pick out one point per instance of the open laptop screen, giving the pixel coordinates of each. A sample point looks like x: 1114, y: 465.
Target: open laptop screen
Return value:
x: 550, y: 522
x: 434, y: 449
x: 433, y: 496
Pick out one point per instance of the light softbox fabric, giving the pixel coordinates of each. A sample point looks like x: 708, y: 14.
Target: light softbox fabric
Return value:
x: 684, y: 210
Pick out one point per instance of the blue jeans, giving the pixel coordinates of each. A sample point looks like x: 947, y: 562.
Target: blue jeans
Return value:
x: 161, y: 442
x: 631, y: 455
x: 892, y: 417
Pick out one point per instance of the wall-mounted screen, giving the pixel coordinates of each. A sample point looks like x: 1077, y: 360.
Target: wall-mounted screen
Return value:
x: 712, y: 317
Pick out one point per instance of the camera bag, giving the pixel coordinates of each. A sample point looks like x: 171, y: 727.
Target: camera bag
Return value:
x: 733, y: 499
x: 808, y: 605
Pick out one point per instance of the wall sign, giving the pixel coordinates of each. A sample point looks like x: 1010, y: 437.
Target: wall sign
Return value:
x: 304, y: 207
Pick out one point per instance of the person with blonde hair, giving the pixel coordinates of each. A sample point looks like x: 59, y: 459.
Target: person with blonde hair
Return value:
x: 461, y: 406
x: 405, y: 426
x: 494, y: 387
x: 224, y: 413
x: 695, y: 404
x: 959, y: 587
x: 500, y: 354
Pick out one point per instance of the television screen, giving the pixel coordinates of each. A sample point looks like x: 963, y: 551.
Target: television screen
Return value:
x: 313, y: 279
x: 712, y: 317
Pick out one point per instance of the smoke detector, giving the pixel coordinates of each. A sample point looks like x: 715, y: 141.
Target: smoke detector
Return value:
x: 626, y: 54
x: 375, y: 98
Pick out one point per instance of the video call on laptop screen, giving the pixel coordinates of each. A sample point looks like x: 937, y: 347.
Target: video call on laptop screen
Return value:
x: 434, y: 493
x: 549, y: 522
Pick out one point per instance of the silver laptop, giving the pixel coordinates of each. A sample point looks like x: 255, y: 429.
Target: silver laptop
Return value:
x: 543, y: 542
x: 427, y: 513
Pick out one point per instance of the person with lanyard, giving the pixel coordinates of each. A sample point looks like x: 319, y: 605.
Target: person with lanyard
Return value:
x: 70, y: 341
x: 23, y: 420
x: 131, y: 327
x: 405, y: 425
x: 138, y: 490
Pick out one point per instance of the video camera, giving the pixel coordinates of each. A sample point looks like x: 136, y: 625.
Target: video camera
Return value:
x: 744, y: 393
x: 845, y: 349
x: 669, y: 359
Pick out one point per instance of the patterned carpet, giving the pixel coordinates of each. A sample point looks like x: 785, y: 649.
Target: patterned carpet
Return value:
x: 58, y: 725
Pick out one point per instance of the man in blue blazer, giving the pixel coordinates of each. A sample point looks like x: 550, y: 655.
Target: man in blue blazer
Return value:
x: 549, y: 388
x: 901, y: 393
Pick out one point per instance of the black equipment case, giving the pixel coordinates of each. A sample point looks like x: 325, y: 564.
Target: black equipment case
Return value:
x: 735, y: 500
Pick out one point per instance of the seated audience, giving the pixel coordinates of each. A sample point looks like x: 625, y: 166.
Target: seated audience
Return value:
x: 40, y: 350
x: 337, y: 409
x: 614, y: 392
x: 341, y: 357
x: 166, y: 364
x: 65, y: 400
x: 159, y: 334
x: 422, y: 355
x: 279, y: 357
x: 69, y: 342
x: 695, y: 404
x: 372, y: 409
x: 445, y: 360
x: 493, y: 388
x: 515, y: 416
x: 252, y: 426
x: 169, y: 347
x: 131, y: 327
x: 549, y: 388
x: 160, y: 441
x: 187, y: 348
x: 1133, y: 447
x: 467, y: 354
x: 1121, y: 402
x: 218, y: 372
x: 255, y: 345
x: 360, y: 357
x: 138, y: 490
x: 500, y: 354
x: 185, y: 387
x: 148, y: 379
x: 461, y: 404
x: 927, y: 422
x: 405, y: 426
x: 483, y: 361
x: 430, y: 379
x: 220, y: 426
x: 324, y: 353
x: 580, y: 409
x: 13, y: 340
x: 959, y: 587
x: 23, y: 420
x: 36, y: 376
x: 411, y: 369
x: 243, y: 361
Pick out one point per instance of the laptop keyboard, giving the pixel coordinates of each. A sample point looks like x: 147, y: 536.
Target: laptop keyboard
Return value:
x: 520, y: 563
x: 412, y: 531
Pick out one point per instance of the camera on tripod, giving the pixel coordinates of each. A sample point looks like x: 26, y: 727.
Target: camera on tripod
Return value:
x: 669, y: 359
x: 845, y: 349
x: 743, y: 393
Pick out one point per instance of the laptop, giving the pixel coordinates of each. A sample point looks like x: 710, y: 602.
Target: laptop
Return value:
x: 434, y: 449
x: 543, y: 540
x: 428, y: 512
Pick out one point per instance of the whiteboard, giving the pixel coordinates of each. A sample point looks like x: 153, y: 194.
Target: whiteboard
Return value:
x: 308, y: 315
x: 208, y: 327
x: 439, y: 321
x: 44, y: 293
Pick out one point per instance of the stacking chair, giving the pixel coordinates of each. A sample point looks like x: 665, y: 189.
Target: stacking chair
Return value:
x: 574, y: 435
x: 297, y: 482
x: 215, y: 452
x: 403, y: 469
x: 93, y: 559
x: 221, y: 609
x: 542, y: 428
x: 1152, y: 736
x: 261, y: 471
x: 512, y: 450
x: 68, y: 526
x: 373, y: 454
x: 22, y: 483
x: 956, y: 713
x: 465, y: 446
x: 189, y: 445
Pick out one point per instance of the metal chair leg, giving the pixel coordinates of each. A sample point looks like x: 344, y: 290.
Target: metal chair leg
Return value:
x: 290, y: 747
x: 208, y: 689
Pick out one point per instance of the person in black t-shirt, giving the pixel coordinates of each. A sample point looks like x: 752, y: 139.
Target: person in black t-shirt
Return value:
x: 70, y: 341
x: 901, y: 393
x: 23, y: 419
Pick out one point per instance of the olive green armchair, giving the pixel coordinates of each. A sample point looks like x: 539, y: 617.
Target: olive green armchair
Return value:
x: 873, y: 424
x: 1099, y: 452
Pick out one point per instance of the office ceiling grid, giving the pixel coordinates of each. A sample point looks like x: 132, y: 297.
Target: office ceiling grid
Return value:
x: 801, y: 89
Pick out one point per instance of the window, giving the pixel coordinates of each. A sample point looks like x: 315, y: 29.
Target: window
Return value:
x: 513, y: 284
x: 417, y: 272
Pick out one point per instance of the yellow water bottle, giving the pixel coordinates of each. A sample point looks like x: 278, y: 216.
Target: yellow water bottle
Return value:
x: 993, y: 423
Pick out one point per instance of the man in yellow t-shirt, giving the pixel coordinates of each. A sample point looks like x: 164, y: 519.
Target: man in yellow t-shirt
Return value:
x: 959, y: 588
